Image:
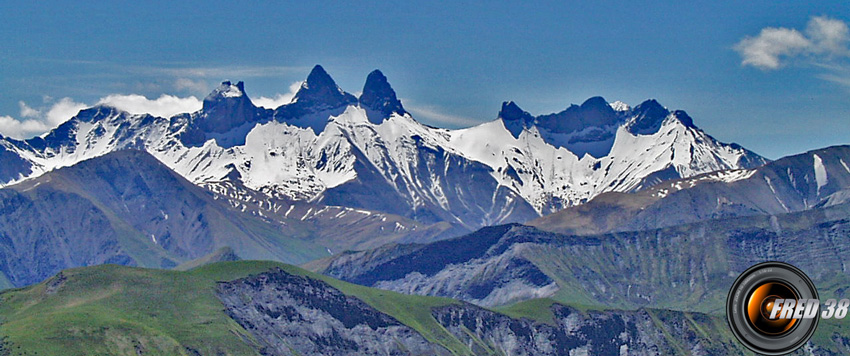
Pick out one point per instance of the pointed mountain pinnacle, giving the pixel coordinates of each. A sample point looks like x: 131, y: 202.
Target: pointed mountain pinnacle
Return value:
x: 378, y: 96
x: 321, y: 90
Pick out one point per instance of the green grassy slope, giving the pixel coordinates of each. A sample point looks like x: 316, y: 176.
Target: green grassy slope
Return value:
x: 113, y: 309
x: 119, y: 310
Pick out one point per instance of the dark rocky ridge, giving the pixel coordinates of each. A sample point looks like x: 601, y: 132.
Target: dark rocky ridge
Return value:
x: 591, y: 126
x: 594, y: 112
x: 379, y: 98
x: 227, y: 116
x: 294, y: 315
x: 592, y: 332
x: 646, y: 118
x: 317, y: 99
x: 297, y: 315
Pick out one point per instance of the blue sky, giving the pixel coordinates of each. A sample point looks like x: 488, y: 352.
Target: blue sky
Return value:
x: 772, y: 76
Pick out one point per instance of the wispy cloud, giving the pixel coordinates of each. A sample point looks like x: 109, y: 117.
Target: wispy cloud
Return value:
x: 824, y: 44
x: 218, y: 72
x: 186, y: 70
x: 435, y: 115
x: 186, y: 84
x: 843, y: 80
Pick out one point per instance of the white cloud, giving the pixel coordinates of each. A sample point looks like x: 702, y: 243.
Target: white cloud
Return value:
x: 278, y: 99
x: 21, y: 129
x: 27, y: 111
x: 63, y: 110
x: 764, y: 51
x: 39, y: 120
x: 825, y: 39
x: 164, y: 106
x: 830, y: 36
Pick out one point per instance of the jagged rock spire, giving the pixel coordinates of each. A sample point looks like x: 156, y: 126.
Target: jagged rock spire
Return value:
x: 320, y: 90
x: 379, y: 98
x: 514, y: 118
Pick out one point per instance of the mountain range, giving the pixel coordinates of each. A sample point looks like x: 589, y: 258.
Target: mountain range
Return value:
x: 331, y: 148
x: 678, y: 245
x: 600, y: 229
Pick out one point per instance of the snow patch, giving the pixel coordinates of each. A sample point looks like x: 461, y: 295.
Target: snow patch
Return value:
x: 820, y: 172
x: 845, y: 165
x: 231, y: 91
x: 619, y: 106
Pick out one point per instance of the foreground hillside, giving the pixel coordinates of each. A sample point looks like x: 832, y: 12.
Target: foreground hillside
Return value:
x: 253, y: 308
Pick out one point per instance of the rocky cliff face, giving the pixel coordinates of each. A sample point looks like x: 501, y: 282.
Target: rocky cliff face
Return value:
x: 294, y: 315
x: 585, y: 333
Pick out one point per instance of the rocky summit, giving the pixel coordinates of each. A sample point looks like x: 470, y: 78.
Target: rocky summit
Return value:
x: 330, y: 147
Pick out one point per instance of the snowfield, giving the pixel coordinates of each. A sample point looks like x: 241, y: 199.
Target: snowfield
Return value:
x: 541, y: 168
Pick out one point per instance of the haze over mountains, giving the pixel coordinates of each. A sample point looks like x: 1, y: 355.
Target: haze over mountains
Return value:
x: 627, y: 208
x: 332, y: 148
x: 678, y: 245
x: 126, y: 208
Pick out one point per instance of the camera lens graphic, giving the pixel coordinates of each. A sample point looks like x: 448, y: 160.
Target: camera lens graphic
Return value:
x: 752, y: 300
x: 761, y: 304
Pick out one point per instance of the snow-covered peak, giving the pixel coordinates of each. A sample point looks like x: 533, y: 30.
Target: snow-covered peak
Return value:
x: 327, y: 147
x: 620, y: 106
x: 228, y: 90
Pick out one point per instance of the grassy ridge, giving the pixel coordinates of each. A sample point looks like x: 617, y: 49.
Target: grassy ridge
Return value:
x: 113, y: 309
